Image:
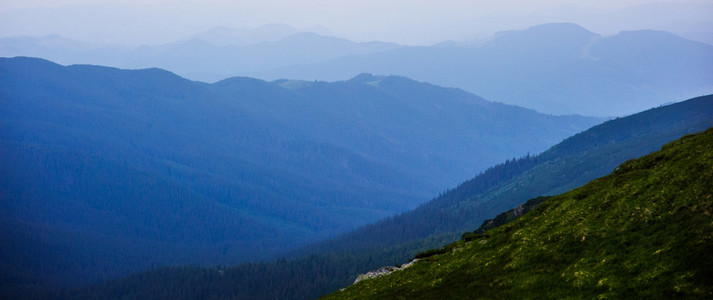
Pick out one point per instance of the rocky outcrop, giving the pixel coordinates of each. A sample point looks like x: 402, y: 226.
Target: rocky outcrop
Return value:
x: 507, y: 216
x: 383, y: 271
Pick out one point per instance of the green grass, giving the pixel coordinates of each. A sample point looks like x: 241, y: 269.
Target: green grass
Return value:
x: 645, y: 231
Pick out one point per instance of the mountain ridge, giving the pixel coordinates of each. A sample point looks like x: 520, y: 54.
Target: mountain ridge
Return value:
x: 128, y: 152
x: 558, y: 68
x: 587, y: 74
x: 327, y: 266
x: 642, y: 231
x: 549, y: 173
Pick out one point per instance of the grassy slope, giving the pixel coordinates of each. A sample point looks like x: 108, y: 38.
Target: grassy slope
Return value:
x: 646, y: 230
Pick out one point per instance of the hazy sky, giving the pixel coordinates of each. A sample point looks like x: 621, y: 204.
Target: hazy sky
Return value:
x: 336, y: 5
x: 403, y: 21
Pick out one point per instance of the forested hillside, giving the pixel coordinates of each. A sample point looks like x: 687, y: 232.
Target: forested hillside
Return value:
x: 325, y: 267
x: 567, y: 165
x: 644, y: 231
x: 108, y: 171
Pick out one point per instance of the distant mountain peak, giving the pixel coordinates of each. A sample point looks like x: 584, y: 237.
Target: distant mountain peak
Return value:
x: 559, y: 26
x: 363, y: 77
x: 368, y: 78
x: 221, y: 35
x: 307, y: 36
x: 549, y: 28
x: 239, y: 80
x: 661, y: 36
x: 560, y: 32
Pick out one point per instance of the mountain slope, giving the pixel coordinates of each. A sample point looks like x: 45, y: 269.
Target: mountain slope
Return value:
x: 643, y: 231
x: 327, y: 266
x: 228, y: 172
x: 554, y: 68
x: 567, y: 165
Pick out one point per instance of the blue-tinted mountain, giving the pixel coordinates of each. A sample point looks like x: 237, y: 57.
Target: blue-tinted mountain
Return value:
x: 328, y: 266
x: 197, y: 58
x: 107, y: 171
x: 224, y: 36
x: 644, y: 231
x: 555, y: 68
x: 567, y: 165
x: 211, y: 56
x: 559, y: 68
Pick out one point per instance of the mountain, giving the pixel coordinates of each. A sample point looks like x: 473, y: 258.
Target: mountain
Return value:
x: 559, y: 68
x: 325, y: 267
x: 661, y: 16
x: 567, y: 165
x: 556, y: 68
x: 173, y: 171
x: 643, y: 231
x: 197, y: 56
x: 209, y: 56
x: 60, y: 49
x: 224, y: 36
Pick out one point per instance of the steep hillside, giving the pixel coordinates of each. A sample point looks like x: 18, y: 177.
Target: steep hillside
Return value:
x: 644, y: 231
x: 98, y: 159
x: 567, y: 165
x: 554, y: 68
x: 327, y: 266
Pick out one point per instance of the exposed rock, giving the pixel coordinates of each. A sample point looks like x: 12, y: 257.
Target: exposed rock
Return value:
x: 383, y: 271
x: 518, y: 211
